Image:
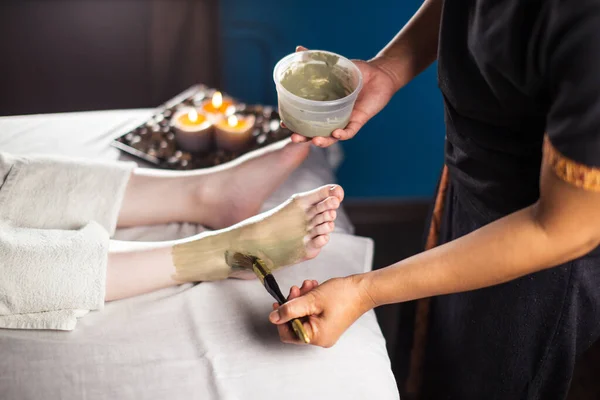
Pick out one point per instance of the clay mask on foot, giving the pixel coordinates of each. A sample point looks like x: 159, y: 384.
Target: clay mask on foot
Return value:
x: 277, y: 237
x: 316, y: 91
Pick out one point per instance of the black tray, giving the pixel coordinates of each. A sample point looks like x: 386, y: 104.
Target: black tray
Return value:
x: 153, y: 139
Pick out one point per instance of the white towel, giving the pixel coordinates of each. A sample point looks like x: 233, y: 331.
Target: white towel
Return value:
x: 56, y: 217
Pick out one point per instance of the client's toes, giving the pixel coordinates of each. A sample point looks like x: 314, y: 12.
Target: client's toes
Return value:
x: 324, y: 229
x: 327, y: 216
x: 320, y: 208
x: 330, y: 203
x: 314, y: 245
x: 317, y: 196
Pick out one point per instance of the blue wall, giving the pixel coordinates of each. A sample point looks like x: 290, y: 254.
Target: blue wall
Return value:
x: 400, y: 152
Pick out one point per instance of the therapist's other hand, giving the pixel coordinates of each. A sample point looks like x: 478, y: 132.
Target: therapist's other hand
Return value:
x: 327, y: 310
x: 379, y: 85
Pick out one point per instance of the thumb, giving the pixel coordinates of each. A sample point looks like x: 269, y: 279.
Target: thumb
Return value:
x: 301, y: 48
x: 297, y: 308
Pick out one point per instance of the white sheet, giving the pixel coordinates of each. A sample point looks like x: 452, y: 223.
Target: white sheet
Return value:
x: 208, y: 341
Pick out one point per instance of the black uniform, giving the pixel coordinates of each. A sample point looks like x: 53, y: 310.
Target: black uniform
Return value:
x: 513, y: 74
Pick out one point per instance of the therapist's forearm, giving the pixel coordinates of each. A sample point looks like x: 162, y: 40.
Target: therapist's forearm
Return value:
x: 504, y: 250
x: 414, y: 48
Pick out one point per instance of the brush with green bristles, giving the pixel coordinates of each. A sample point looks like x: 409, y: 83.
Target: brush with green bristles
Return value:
x: 245, y: 261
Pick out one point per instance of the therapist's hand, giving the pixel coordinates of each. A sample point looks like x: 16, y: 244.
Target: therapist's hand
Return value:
x: 329, y: 309
x: 379, y: 85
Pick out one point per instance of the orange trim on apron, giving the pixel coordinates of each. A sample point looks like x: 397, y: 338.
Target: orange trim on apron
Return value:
x: 570, y: 171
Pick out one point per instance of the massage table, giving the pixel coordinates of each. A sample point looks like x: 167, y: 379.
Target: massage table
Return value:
x: 195, y: 341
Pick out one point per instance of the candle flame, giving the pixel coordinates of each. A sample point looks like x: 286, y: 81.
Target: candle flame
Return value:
x: 217, y: 100
x: 232, y: 121
x: 230, y: 110
x: 193, y: 115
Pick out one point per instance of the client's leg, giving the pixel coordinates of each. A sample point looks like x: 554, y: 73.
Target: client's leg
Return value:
x: 216, y: 198
x: 293, y: 232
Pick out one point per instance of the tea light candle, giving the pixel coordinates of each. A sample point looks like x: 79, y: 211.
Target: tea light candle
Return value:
x: 193, y: 130
x: 218, y: 107
x: 235, y: 132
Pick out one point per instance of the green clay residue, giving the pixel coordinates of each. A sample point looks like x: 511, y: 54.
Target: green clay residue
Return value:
x: 276, y: 237
x: 322, y: 80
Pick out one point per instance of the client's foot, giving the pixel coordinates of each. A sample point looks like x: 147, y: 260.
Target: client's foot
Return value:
x: 293, y: 232
x: 230, y: 195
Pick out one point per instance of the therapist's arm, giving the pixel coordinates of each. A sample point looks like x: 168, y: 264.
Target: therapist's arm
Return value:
x: 563, y: 225
x: 415, y: 47
x: 412, y: 50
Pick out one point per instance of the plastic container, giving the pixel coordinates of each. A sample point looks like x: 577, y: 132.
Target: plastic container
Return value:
x: 312, y: 118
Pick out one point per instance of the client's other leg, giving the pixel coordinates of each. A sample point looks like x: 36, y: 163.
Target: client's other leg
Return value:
x: 293, y: 232
x: 216, y: 198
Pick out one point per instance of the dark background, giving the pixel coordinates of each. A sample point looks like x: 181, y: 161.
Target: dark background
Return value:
x: 75, y: 55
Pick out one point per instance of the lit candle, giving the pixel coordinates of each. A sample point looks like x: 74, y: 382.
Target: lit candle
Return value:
x: 235, y: 132
x: 218, y: 107
x: 193, y: 130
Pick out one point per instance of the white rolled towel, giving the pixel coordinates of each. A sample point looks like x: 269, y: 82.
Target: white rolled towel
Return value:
x: 56, y: 218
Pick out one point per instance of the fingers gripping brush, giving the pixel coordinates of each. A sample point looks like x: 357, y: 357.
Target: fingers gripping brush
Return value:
x: 244, y: 261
